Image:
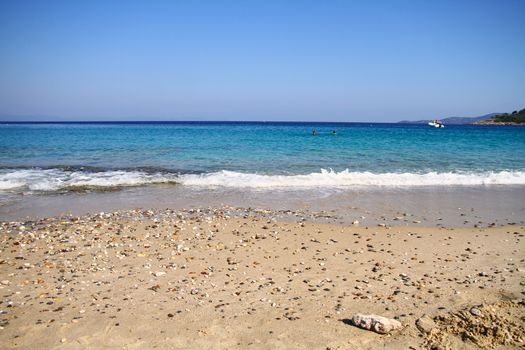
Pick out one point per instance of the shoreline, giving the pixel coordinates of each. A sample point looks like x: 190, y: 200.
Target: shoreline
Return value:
x: 253, y: 278
x: 498, y: 123
x: 479, y: 206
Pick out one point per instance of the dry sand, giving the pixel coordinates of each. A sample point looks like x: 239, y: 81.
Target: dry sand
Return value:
x: 230, y: 278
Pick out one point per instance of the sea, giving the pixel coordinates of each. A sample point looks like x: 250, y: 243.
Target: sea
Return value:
x: 252, y: 159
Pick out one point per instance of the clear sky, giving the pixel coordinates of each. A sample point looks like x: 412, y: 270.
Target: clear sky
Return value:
x: 261, y: 60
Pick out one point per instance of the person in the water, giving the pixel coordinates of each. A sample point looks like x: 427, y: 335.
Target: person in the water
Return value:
x: 334, y: 132
x: 314, y: 133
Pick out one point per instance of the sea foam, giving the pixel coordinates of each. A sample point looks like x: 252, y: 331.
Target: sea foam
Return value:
x: 346, y: 178
x: 52, y: 180
x: 49, y: 180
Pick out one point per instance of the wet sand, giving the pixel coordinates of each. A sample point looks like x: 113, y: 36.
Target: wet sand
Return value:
x: 447, y: 206
x: 237, y: 278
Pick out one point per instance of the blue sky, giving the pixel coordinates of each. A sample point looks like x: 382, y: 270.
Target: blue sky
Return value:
x: 260, y: 60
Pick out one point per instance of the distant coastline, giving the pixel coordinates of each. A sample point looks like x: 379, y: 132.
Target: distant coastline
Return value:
x: 493, y: 122
x: 514, y: 118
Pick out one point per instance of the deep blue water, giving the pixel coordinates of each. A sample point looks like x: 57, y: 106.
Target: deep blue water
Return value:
x: 254, y: 148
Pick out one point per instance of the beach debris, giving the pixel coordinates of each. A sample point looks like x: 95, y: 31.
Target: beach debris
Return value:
x: 155, y: 288
x: 425, y: 324
x: 195, y: 291
x: 375, y: 323
x: 494, y: 327
x: 475, y: 311
x: 377, y: 267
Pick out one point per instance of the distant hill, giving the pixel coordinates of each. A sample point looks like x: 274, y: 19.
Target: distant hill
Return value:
x: 454, y: 120
x: 514, y: 118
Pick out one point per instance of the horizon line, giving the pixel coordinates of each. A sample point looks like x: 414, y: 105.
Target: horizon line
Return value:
x: 197, y: 121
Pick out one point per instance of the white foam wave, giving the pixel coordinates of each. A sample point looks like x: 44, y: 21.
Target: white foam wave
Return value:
x: 50, y: 180
x: 347, y: 178
x: 56, y: 179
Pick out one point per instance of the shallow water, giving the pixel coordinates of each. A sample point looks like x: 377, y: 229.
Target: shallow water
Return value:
x: 426, y: 206
x: 50, y: 169
x: 64, y: 157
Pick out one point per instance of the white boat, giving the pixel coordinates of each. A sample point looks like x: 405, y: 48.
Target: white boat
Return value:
x: 436, y: 124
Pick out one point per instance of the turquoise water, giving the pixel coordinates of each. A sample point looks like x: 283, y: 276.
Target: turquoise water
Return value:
x: 50, y: 157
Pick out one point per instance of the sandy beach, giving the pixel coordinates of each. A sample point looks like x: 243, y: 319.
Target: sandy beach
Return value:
x: 234, y: 278
x: 231, y: 175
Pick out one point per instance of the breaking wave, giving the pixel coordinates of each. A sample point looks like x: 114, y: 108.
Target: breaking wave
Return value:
x: 53, y: 180
x: 346, y: 178
x: 65, y: 180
